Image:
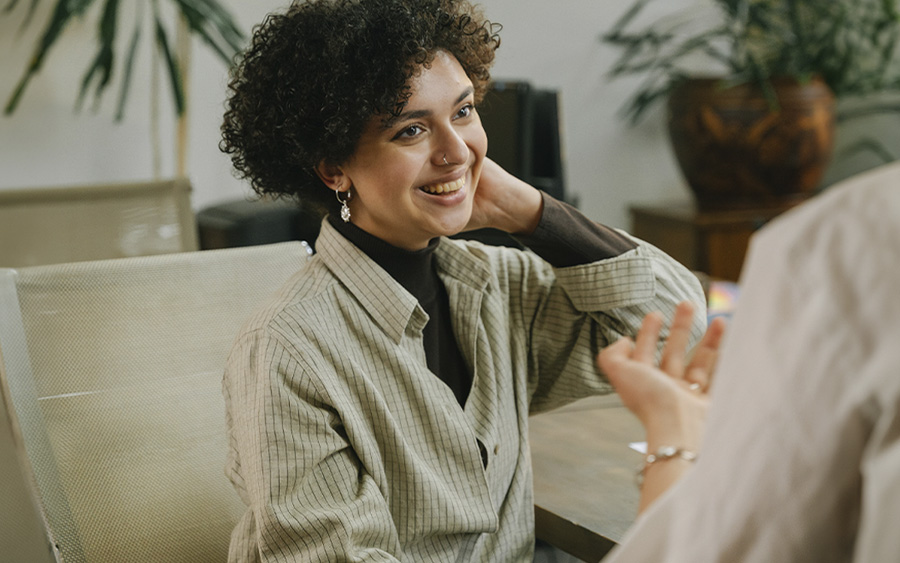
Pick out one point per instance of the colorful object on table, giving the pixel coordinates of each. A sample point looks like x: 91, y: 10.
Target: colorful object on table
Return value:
x: 722, y: 299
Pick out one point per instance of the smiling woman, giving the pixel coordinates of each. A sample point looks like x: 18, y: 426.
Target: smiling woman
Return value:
x: 378, y: 405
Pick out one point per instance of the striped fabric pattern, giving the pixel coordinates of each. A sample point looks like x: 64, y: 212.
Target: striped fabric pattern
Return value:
x: 345, y: 447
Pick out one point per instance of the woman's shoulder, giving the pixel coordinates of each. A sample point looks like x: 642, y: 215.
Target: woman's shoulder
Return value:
x: 299, y: 299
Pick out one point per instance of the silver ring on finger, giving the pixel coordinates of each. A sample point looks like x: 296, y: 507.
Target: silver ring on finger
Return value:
x: 696, y: 387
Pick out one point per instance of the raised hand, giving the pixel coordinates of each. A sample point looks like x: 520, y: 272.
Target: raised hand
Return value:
x: 670, y: 400
x: 504, y: 202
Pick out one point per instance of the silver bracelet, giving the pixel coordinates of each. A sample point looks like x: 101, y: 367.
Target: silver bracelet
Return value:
x: 664, y: 453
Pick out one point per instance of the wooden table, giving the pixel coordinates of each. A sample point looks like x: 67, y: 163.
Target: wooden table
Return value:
x: 584, y: 490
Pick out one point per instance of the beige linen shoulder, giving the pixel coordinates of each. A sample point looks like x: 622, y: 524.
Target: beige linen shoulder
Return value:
x: 344, y: 446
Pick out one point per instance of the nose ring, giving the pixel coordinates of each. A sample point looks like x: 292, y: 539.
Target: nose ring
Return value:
x: 445, y: 159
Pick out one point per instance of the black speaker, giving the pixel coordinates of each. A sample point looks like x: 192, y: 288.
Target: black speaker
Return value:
x: 523, y: 128
x: 506, y: 115
x: 257, y: 221
x: 546, y: 144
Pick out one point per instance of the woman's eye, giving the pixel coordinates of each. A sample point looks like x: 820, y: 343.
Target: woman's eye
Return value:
x: 465, y: 111
x: 409, y: 132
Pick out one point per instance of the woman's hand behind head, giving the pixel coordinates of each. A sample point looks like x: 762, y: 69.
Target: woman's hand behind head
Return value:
x: 504, y: 202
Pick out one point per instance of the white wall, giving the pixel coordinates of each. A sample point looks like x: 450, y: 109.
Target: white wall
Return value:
x: 551, y: 44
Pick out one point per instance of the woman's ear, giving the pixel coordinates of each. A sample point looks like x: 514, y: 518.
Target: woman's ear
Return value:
x: 332, y: 176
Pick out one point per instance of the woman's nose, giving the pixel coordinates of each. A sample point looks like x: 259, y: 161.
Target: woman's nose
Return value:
x: 452, y: 148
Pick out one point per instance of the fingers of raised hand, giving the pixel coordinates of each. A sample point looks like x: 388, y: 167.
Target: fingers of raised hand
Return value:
x: 673, y: 356
x: 638, y: 383
x: 615, y: 355
x: 703, y: 364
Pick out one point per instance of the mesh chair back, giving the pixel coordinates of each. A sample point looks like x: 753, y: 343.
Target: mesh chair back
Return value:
x: 119, y: 396
x: 74, y: 223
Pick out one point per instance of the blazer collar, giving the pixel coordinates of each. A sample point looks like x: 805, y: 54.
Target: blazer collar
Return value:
x: 393, y: 308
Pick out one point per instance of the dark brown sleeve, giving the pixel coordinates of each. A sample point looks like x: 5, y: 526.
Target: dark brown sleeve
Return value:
x: 565, y: 237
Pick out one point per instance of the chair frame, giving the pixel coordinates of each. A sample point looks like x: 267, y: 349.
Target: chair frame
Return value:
x: 177, y: 190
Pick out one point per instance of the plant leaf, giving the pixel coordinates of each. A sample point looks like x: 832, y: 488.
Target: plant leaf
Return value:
x: 224, y: 22
x: 63, y: 14
x: 869, y: 144
x: 869, y: 109
x: 207, y: 19
x: 625, y: 20
x: 214, y: 24
x: 103, y: 61
x: 162, y: 43
x: 128, y: 71
x: 32, y: 8
x: 853, y: 44
x: 26, y: 21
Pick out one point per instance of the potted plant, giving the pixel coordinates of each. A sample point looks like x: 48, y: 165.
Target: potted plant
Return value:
x: 755, y: 126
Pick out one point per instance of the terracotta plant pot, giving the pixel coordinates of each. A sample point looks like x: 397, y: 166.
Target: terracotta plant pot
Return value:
x: 736, y: 150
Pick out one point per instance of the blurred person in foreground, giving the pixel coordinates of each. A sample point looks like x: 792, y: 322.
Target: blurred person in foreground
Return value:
x: 800, y: 456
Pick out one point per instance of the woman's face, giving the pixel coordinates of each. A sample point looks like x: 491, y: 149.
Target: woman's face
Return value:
x: 403, y: 190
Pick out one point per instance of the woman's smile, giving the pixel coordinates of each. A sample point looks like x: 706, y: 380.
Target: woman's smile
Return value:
x: 444, y: 188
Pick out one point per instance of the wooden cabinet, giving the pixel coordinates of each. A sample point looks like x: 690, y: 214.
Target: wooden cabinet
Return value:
x: 713, y: 242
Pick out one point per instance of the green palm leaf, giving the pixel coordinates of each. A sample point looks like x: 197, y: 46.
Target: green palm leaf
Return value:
x: 64, y: 12
x: 207, y: 19
x: 103, y: 61
x: 162, y: 43
x: 214, y: 25
x: 129, y: 71
x: 31, y: 8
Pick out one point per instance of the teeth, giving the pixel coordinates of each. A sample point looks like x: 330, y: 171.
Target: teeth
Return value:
x: 444, y: 188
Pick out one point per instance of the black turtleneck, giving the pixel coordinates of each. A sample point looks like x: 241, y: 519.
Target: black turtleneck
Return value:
x: 416, y: 271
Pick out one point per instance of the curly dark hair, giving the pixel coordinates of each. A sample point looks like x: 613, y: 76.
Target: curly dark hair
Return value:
x: 314, y: 75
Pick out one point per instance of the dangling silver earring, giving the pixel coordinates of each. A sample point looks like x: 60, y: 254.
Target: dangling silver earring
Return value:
x: 345, y: 209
